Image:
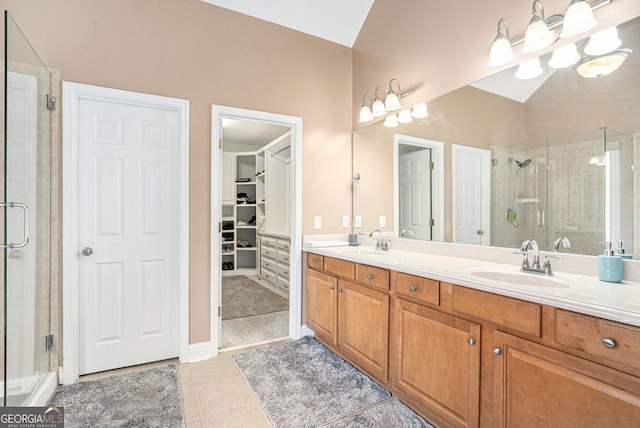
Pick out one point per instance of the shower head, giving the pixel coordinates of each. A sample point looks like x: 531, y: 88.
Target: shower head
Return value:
x: 523, y: 163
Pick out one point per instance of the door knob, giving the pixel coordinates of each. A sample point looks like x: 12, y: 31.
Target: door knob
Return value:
x: 87, y: 251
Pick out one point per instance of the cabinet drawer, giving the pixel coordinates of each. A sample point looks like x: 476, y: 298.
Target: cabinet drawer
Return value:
x: 268, y: 252
x: 423, y: 289
x: 338, y: 267
x: 283, y: 284
x: 269, y: 276
x: 315, y: 261
x: 607, y: 339
x: 283, y: 246
x: 268, y: 242
x: 283, y: 270
x: 372, y: 276
x: 515, y: 314
x: 283, y: 257
x: 267, y: 264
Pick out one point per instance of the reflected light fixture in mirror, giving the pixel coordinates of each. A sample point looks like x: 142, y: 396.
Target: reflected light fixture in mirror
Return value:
x: 501, y: 51
x: 391, y: 121
x: 529, y: 69
x: 538, y: 36
x: 420, y: 111
x: 565, y: 56
x: 603, y: 42
x: 601, y: 65
x: 578, y: 19
x: 365, y: 111
x: 405, y: 116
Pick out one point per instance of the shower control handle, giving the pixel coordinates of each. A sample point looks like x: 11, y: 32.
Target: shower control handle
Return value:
x: 87, y: 251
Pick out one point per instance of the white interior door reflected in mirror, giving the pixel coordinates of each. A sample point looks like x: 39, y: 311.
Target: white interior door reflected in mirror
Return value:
x: 471, y: 195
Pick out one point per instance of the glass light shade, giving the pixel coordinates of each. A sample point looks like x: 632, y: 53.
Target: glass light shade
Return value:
x: 365, y: 114
x: 578, y: 19
x: 420, y: 111
x: 603, y: 41
x: 391, y: 121
x: 377, y: 110
x: 392, y: 102
x: 602, y: 65
x: 565, y: 56
x: 537, y: 35
x: 529, y: 69
x: 405, y: 116
x: 501, y: 52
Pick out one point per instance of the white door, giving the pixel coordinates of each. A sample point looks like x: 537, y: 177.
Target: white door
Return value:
x: 128, y: 207
x: 414, y: 193
x: 471, y: 189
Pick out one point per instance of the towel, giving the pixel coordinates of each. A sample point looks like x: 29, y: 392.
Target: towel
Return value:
x: 320, y: 244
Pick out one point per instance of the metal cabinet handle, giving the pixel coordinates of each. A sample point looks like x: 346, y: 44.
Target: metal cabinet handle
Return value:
x: 87, y: 251
x: 333, y: 287
x: 471, y: 341
x: 340, y: 290
x: 540, y: 219
x: 608, y: 343
x: 412, y: 288
x: 27, y: 228
x: 497, y: 351
x: 370, y: 276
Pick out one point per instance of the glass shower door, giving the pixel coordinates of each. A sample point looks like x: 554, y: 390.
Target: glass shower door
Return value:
x: 25, y: 202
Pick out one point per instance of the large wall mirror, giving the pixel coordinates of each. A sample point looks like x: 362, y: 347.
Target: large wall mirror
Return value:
x: 505, y: 160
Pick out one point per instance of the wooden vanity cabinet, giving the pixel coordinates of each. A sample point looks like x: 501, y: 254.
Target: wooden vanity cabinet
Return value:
x: 350, y: 317
x: 435, y: 363
x: 537, y: 386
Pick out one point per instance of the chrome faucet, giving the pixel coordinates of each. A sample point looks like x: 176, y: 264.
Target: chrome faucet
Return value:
x: 561, y: 240
x: 406, y: 231
x: 381, y: 243
x: 535, y: 266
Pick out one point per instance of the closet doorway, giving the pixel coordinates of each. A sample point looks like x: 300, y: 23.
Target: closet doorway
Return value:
x: 255, y: 227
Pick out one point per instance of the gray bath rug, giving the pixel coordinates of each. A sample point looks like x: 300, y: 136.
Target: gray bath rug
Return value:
x: 144, y: 399
x: 261, y: 328
x: 390, y: 414
x: 303, y: 384
x: 243, y: 297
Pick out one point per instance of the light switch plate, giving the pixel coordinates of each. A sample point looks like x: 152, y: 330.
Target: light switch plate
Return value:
x: 345, y: 221
x: 382, y: 221
x: 317, y: 222
x: 358, y: 221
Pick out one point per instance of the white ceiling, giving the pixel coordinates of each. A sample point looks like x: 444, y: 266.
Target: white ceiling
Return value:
x: 338, y: 21
x: 250, y: 132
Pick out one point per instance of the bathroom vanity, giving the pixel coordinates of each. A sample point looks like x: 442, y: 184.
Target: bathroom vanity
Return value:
x: 469, y: 343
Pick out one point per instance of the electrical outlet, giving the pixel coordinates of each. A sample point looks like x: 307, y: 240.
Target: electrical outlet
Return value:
x: 317, y: 222
x: 358, y: 221
x: 382, y: 222
x: 345, y: 221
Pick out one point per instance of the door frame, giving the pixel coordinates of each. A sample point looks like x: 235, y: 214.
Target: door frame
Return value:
x: 437, y: 181
x: 486, y: 187
x: 72, y: 93
x: 218, y: 113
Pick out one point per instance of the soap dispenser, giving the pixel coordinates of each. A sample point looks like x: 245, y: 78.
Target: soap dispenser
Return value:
x: 621, y: 252
x: 609, y: 265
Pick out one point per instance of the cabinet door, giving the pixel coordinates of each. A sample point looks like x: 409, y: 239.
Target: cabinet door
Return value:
x: 363, y: 327
x: 536, y: 386
x: 322, y: 305
x: 228, y: 178
x: 435, y: 363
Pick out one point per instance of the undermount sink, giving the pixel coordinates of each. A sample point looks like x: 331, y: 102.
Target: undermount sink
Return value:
x: 520, y: 278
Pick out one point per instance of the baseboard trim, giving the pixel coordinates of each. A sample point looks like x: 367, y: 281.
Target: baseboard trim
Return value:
x: 200, y: 351
x: 306, y: 331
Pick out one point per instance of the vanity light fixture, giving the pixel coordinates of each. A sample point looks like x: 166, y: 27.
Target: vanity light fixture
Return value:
x: 420, y: 111
x: 578, y: 19
x: 391, y: 121
x: 538, y: 36
x: 405, y: 116
x: 377, y: 109
x: 601, y: 65
x: 603, y: 42
x: 365, y: 110
x: 392, y: 101
x: 501, y: 51
x: 565, y: 56
x: 529, y: 69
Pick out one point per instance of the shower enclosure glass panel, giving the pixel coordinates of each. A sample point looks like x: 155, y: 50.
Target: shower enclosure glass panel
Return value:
x: 26, y: 218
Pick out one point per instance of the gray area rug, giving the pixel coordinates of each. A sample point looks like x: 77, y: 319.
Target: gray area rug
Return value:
x: 390, y: 414
x: 243, y: 297
x: 250, y: 330
x: 303, y: 384
x: 145, y: 399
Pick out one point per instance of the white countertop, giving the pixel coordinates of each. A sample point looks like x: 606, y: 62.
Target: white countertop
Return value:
x: 575, y: 292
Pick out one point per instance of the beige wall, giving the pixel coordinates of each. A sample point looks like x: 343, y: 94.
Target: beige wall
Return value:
x: 208, y: 55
